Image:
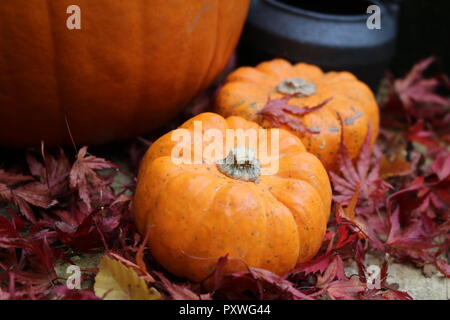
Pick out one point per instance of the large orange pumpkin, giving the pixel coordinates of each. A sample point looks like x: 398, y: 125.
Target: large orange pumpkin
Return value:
x: 133, y: 65
x: 197, y: 213
x: 247, y: 91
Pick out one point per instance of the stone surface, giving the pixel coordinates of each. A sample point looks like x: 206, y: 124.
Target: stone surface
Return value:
x: 412, y: 279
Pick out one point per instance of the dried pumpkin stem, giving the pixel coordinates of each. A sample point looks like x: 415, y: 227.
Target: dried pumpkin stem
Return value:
x: 296, y: 86
x: 241, y: 164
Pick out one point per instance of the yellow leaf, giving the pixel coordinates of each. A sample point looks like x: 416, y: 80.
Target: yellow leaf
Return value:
x: 395, y: 167
x: 350, y: 212
x: 115, y: 281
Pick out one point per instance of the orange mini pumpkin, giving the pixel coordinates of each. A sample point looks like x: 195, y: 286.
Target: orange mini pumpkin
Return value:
x: 197, y: 213
x: 248, y: 90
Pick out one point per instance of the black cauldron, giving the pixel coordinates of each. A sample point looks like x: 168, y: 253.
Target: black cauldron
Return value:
x: 331, y: 34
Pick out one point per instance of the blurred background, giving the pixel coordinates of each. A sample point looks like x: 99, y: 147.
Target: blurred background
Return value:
x: 334, y: 35
x: 423, y: 31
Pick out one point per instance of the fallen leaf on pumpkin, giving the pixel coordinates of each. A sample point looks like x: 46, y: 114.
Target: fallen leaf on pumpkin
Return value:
x: 279, y: 113
x: 115, y: 281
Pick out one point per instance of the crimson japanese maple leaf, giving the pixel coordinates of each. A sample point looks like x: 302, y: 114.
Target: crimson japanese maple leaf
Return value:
x: 180, y: 292
x: 23, y: 191
x: 53, y: 172
x: 441, y: 165
x: 328, y: 266
x: 259, y: 283
x: 85, y: 232
x: 345, y: 289
x: 442, y: 264
x: 64, y: 293
x: 8, y: 230
x: 37, y: 251
x: 413, y: 241
x: 85, y: 179
x: 414, y: 237
x: 82, y: 238
x: 418, y: 133
x: 415, y: 89
x: 263, y: 284
x: 415, y: 98
x: 419, y: 215
x: 364, y: 174
x: 317, y: 265
x: 429, y: 193
x: 11, y: 179
x: 382, y: 290
x: 27, y: 285
x: 279, y: 113
x: 334, y: 271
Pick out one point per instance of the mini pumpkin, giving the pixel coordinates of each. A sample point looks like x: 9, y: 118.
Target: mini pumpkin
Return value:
x: 195, y: 213
x: 343, y: 100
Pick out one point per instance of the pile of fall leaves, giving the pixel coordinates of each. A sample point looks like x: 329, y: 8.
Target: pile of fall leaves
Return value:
x: 393, y: 201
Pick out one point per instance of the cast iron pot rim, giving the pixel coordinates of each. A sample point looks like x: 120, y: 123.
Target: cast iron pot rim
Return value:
x: 324, y: 16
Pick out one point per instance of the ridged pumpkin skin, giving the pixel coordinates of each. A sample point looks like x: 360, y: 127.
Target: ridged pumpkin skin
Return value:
x: 247, y: 91
x: 132, y: 67
x: 195, y: 214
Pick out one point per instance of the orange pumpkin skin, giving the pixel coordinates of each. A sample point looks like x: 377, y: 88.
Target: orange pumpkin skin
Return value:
x: 194, y: 213
x: 132, y: 66
x: 247, y: 91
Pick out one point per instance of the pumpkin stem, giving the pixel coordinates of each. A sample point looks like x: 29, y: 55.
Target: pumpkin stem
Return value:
x: 240, y: 164
x: 296, y: 86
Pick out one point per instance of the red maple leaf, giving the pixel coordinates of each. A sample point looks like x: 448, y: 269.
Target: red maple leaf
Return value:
x: 429, y: 193
x: 414, y: 237
x: 254, y: 283
x: 416, y: 98
x: 279, y: 113
x: 364, y: 175
x: 83, y: 177
x: 414, y: 89
x: 11, y: 179
x: 53, y: 172
x: 418, y: 133
x: 334, y: 270
x: 419, y: 218
x: 180, y: 292
x: 23, y: 195
x: 345, y: 289
x: 64, y: 293
x: 328, y: 266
